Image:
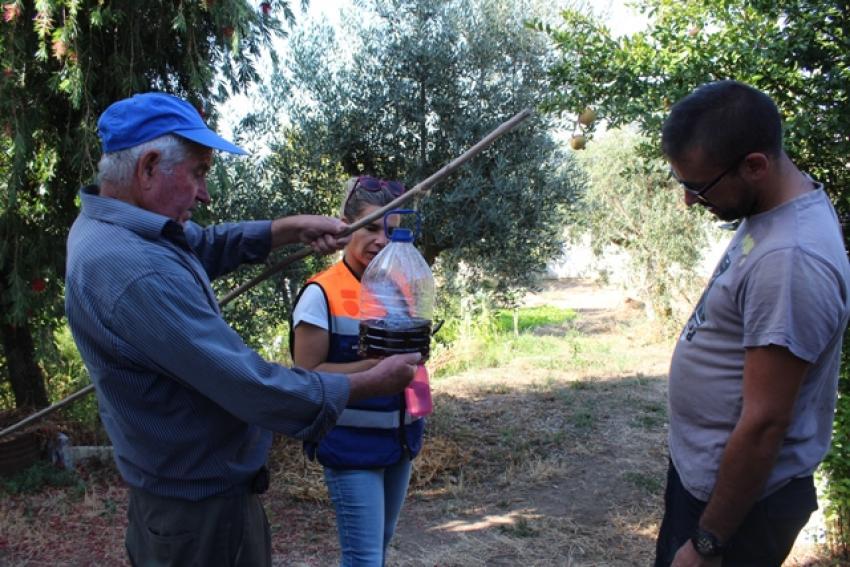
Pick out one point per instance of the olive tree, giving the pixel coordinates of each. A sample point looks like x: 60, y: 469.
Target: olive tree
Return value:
x: 406, y: 86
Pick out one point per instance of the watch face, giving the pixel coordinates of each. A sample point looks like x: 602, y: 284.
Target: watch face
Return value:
x: 706, y: 544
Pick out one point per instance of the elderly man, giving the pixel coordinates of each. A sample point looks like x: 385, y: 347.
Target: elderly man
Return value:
x: 188, y: 406
x: 754, y: 374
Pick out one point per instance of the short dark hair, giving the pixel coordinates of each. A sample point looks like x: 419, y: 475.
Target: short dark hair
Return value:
x: 726, y: 120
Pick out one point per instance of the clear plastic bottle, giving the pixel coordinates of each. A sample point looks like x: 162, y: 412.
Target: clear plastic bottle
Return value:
x: 397, y: 307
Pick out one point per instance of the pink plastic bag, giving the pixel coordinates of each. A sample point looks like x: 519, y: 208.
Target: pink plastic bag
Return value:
x: 417, y: 395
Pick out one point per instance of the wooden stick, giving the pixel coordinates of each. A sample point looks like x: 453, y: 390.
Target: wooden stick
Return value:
x: 49, y: 409
x: 421, y: 188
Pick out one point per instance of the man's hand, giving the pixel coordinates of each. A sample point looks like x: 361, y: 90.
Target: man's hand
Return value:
x: 321, y: 233
x: 687, y: 556
x: 390, y: 376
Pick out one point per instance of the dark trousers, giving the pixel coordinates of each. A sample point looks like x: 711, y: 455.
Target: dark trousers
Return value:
x: 228, y: 529
x: 765, y: 537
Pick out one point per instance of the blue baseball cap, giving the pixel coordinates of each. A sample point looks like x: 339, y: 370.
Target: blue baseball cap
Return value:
x: 143, y: 117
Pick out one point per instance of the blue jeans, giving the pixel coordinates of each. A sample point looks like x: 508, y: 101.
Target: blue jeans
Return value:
x: 367, y: 504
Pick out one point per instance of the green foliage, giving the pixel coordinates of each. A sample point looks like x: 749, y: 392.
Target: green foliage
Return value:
x: 483, y: 338
x: 797, y: 51
x: 288, y: 180
x: 464, y: 313
x: 407, y: 87
x: 37, y: 477
x: 836, y: 466
x: 531, y: 317
x: 65, y: 374
x: 62, y: 63
x: 274, y: 344
x: 629, y: 202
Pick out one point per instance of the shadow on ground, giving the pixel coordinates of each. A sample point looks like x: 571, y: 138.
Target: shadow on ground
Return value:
x: 554, y: 475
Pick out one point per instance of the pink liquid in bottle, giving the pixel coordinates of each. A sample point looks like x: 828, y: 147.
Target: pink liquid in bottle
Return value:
x: 417, y: 395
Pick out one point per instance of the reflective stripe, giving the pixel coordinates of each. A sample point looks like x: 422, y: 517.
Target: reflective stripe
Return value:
x: 346, y: 325
x: 374, y: 419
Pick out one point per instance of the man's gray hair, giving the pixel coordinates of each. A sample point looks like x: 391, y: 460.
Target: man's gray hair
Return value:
x: 117, y: 168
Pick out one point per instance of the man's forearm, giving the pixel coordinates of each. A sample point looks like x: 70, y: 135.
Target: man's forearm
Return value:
x: 363, y: 385
x: 321, y: 233
x: 285, y: 230
x: 745, y: 467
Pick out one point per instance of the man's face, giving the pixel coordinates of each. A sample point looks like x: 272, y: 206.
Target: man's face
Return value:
x: 176, y: 188
x: 718, y: 188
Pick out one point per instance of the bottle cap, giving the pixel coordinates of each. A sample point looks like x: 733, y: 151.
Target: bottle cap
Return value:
x: 402, y: 235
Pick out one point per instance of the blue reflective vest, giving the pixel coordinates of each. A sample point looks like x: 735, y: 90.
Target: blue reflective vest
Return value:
x: 370, y: 433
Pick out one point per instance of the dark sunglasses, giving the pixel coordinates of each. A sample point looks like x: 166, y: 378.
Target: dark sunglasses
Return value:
x: 699, y: 190
x: 374, y: 185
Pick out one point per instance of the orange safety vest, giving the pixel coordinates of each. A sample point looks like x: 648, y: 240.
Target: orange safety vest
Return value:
x: 370, y: 433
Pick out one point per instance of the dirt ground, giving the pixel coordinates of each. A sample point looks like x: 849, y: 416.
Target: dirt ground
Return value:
x: 555, y: 458
x: 560, y: 461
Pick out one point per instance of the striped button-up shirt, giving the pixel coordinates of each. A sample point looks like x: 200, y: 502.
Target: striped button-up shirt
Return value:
x: 187, y: 405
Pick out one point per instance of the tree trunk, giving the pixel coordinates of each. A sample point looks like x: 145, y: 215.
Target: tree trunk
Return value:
x: 24, y: 374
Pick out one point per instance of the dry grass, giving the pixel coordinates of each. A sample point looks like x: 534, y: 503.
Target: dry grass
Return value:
x: 555, y: 457
x: 296, y: 477
x: 82, y: 524
x: 548, y: 473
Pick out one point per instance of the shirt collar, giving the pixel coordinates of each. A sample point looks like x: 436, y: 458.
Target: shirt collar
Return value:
x: 114, y: 211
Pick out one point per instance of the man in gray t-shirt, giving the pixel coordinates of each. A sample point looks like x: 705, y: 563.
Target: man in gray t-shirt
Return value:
x: 754, y: 374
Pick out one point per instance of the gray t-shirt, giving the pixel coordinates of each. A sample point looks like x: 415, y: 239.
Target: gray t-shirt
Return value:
x: 784, y: 281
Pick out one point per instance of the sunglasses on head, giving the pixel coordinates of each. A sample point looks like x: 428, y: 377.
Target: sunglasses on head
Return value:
x: 373, y: 185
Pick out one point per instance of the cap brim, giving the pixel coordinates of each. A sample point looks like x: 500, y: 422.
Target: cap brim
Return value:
x: 208, y: 138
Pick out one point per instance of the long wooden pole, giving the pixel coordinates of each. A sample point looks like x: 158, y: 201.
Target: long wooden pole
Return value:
x: 420, y: 188
x: 49, y: 409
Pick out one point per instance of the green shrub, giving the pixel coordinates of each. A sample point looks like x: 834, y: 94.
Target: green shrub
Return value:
x: 479, y: 336
x: 67, y: 374
x: 836, y: 466
x: 37, y: 477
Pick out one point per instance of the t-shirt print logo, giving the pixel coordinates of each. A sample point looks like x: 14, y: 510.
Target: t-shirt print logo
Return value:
x: 698, y: 317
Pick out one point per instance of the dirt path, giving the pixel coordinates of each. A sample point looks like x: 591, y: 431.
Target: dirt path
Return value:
x: 578, y: 484
x: 576, y: 473
x: 554, y: 456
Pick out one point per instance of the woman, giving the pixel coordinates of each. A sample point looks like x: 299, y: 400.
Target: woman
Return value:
x: 366, y: 456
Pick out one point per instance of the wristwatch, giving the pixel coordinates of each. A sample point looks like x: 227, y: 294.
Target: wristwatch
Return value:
x: 706, y: 543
